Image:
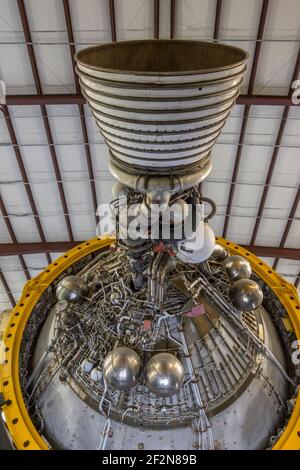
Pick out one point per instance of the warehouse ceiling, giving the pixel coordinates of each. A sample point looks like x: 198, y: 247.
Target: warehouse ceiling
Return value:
x: 53, y: 160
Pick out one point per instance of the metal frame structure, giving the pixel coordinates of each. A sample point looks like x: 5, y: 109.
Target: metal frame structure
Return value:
x: 20, y: 249
x: 44, y: 100
x: 80, y: 106
x: 24, y: 434
x: 261, y: 27
x: 44, y: 114
x: 69, y: 99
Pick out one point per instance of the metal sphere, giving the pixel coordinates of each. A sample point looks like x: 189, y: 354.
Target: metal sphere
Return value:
x: 122, y: 368
x: 164, y: 374
x: 96, y: 374
x: 87, y: 365
x: 237, y: 268
x: 246, y: 295
x: 219, y: 253
x: 72, y: 289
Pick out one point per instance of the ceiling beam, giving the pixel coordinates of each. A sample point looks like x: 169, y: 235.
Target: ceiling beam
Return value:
x: 217, y: 20
x: 297, y: 281
x: 15, y: 249
x: 24, y: 176
x: 87, y: 150
x: 274, y: 252
x: 74, y: 98
x: 37, y: 81
x: 260, y: 32
x: 288, y: 224
x: 172, y: 18
x: 7, y: 289
x: 112, y: 16
x: 156, y: 19
x: 12, y: 235
x: 274, y: 157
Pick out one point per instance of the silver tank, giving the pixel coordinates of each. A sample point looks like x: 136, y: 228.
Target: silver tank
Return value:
x: 164, y: 374
x: 246, y: 295
x: 72, y: 289
x: 122, y: 368
x: 237, y: 268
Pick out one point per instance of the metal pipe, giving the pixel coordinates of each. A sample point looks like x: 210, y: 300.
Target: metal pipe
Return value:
x: 147, y: 184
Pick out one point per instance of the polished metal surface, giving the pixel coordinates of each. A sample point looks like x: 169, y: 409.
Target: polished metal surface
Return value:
x: 219, y: 253
x: 242, y: 391
x: 164, y: 374
x: 122, y: 368
x: 246, y: 295
x: 161, y: 103
x: 237, y: 268
x: 72, y: 289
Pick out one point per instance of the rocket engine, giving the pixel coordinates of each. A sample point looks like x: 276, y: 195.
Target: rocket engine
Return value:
x: 160, y: 336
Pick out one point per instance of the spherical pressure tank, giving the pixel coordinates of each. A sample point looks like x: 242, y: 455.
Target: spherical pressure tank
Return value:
x: 122, y: 368
x: 164, y: 375
x: 246, y: 295
x: 219, y: 253
x: 72, y: 289
x: 237, y: 268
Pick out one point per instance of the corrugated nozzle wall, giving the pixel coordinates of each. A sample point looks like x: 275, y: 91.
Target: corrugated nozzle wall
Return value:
x: 161, y: 103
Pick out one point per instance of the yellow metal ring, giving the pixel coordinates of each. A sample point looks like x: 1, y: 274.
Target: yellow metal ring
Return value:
x: 288, y: 296
x: 19, y: 424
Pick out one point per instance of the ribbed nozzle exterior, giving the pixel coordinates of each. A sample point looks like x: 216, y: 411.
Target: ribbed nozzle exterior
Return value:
x: 161, y: 104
